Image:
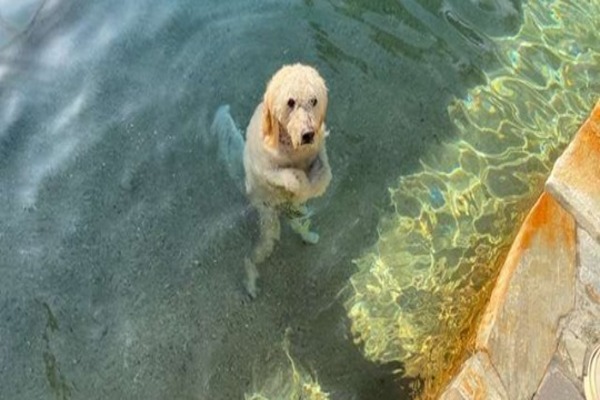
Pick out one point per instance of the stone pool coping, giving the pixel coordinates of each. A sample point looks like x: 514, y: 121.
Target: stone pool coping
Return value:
x: 544, y: 312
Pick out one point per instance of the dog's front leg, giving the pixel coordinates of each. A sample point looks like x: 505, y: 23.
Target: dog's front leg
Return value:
x: 292, y: 180
x: 319, y: 174
x: 301, y: 225
x: 298, y: 215
x: 270, y: 231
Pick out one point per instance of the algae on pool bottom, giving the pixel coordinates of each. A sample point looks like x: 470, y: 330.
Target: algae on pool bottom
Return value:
x: 290, y: 382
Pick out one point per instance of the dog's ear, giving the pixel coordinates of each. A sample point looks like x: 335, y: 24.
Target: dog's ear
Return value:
x: 270, y: 124
x: 321, y: 121
x: 322, y: 96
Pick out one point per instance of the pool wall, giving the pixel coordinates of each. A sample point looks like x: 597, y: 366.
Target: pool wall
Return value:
x: 419, y: 292
x: 544, y: 311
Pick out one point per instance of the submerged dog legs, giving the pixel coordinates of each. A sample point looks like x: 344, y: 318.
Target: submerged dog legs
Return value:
x: 298, y: 216
x: 302, y: 227
x: 270, y: 231
x: 299, y: 219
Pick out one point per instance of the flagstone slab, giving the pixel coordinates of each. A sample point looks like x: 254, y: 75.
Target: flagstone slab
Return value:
x: 589, y: 264
x: 535, y: 288
x: 476, y: 380
x: 556, y: 386
x: 573, y: 348
x: 575, y: 178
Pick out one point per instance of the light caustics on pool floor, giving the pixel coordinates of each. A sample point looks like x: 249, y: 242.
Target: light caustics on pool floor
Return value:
x: 418, y: 292
x: 420, y: 289
x: 289, y: 382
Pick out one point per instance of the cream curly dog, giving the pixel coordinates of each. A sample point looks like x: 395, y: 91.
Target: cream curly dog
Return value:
x: 285, y: 160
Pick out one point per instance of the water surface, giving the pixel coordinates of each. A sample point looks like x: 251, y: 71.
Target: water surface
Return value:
x: 122, y: 237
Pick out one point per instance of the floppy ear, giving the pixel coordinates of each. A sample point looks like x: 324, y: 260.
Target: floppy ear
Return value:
x: 324, y: 101
x: 270, y: 125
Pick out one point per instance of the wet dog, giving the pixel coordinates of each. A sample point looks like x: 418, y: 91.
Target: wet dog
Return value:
x: 285, y: 160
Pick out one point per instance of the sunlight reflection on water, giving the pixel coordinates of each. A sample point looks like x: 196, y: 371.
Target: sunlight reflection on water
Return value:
x: 417, y: 295
x: 118, y: 217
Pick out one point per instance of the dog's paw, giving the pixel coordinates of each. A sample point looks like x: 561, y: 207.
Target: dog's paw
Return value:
x: 302, y: 227
x: 315, y: 168
x: 310, y: 237
x: 295, y: 180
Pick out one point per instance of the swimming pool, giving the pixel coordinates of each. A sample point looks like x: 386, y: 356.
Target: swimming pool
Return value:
x: 122, y: 238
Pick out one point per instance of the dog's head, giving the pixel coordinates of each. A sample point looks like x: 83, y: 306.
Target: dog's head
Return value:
x: 294, y: 105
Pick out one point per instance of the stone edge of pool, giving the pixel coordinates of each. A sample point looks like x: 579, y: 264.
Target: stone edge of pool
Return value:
x: 544, y: 312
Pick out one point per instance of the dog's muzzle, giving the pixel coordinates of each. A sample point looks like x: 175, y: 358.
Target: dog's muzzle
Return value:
x: 308, y: 137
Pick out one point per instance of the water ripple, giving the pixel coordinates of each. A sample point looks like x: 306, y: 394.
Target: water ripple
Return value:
x: 418, y: 293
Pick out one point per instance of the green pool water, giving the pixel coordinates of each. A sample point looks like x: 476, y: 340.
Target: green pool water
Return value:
x: 122, y: 237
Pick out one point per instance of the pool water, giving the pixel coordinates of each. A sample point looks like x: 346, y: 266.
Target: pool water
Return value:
x: 420, y: 289
x: 122, y: 237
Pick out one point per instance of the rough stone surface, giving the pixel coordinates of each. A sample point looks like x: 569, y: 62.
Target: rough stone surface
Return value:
x: 476, y: 380
x: 556, y: 386
x: 581, y: 332
x: 539, y: 296
x: 575, y: 178
x: 589, y: 264
x: 582, y: 326
x: 535, y: 288
x: 574, y: 348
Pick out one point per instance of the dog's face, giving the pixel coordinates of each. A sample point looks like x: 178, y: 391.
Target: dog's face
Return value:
x: 294, y: 108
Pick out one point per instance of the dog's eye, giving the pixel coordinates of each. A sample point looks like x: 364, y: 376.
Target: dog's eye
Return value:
x: 313, y: 102
x: 291, y: 103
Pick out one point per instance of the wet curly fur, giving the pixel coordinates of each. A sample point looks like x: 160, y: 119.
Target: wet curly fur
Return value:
x: 285, y: 160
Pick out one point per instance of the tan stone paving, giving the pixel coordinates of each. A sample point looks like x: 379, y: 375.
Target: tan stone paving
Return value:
x: 557, y: 386
x: 575, y: 178
x: 544, y: 313
x: 477, y: 380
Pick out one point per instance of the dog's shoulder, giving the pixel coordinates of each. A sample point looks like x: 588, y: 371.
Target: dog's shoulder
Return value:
x: 254, y: 130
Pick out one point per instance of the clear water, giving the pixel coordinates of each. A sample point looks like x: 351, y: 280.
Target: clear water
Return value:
x: 418, y: 291
x: 121, y: 237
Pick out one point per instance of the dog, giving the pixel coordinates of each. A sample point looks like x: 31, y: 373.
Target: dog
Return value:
x: 285, y: 159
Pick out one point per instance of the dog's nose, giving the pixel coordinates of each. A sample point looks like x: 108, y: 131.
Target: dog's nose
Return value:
x: 307, y: 137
